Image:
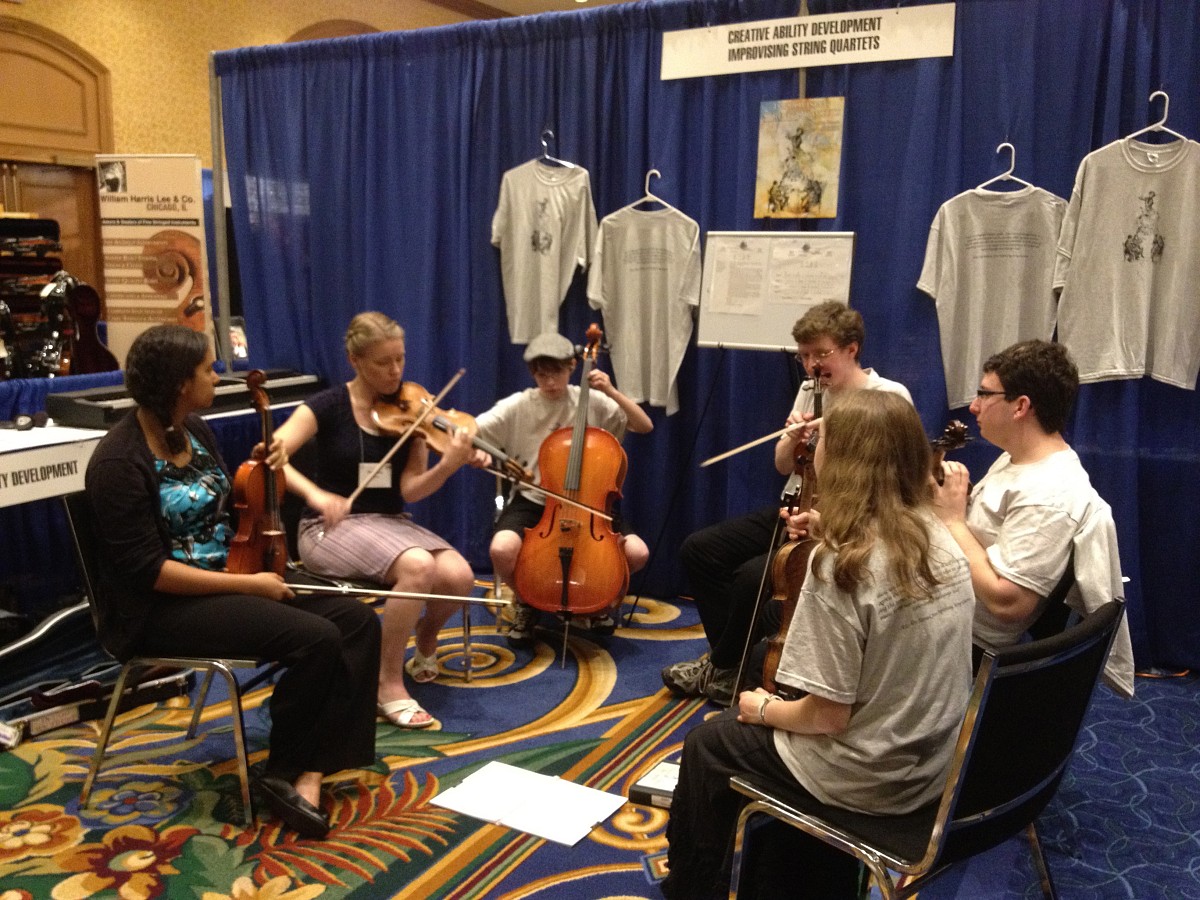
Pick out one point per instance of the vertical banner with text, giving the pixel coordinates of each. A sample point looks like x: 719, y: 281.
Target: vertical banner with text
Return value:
x: 152, y: 232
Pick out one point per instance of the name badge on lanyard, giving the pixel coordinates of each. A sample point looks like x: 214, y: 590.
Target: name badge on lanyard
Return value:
x: 382, y: 479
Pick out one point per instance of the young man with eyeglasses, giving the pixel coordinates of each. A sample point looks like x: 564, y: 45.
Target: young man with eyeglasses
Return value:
x: 1018, y: 524
x: 725, y: 562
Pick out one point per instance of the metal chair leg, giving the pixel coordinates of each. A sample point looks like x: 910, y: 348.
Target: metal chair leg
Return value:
x: 470, y: 656
x: 1039, y: 861
x: 201, y: 699
x: 105, y: 732
x: 239, y: 736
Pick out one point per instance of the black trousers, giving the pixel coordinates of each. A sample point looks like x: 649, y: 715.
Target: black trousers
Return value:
x: 725, y: 564
x: 323, y: 707
x: 779, y: 861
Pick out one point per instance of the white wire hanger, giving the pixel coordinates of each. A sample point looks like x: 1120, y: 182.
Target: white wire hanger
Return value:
x: 546, y: 159
x: 650, y: 197
x: 1007, y: 175
x: 1161, y: 125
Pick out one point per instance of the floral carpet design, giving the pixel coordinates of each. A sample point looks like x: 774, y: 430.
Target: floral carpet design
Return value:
x: 166, y: 820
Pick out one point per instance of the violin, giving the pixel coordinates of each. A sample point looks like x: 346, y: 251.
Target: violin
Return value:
x: 412, y: 403
x: 260, y: 544
x: 572, y: 562
x: 789, y: 565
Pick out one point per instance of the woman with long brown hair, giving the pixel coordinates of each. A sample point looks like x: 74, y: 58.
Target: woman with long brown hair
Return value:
x: 880, y: 641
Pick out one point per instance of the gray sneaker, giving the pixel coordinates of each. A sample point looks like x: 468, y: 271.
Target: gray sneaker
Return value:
x: 525, y: 619
x: 720, y: 685
x: 688, y: 678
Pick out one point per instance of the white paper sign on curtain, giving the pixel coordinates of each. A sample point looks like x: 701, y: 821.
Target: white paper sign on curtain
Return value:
x: 913, y: 32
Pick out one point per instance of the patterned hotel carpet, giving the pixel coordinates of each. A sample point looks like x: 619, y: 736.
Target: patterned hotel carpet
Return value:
x: 164, y: 820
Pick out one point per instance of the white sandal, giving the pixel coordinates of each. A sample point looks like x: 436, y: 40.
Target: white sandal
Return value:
x: 421, y: 668
x: 402, y: 712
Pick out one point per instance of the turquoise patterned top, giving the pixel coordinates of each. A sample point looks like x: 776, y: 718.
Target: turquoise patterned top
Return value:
x: 193, y: 505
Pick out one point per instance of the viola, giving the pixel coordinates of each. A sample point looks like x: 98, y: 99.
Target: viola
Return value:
x: 572, y: 562
x: 397, y: 414
x: 260, y: 544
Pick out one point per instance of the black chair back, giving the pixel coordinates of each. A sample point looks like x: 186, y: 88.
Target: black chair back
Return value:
x: 1029, y: 704
x: 87, y: 553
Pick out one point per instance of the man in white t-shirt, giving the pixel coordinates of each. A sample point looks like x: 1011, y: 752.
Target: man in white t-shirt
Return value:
x: 1018, y: 524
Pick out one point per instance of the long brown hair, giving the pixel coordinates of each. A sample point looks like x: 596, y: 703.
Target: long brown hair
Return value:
x: 874, y: 489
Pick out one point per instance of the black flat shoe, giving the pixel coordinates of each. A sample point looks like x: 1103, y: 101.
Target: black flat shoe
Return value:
x: 296, y: 812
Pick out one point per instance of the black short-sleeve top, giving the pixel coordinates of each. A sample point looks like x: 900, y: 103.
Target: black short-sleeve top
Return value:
x: 342, y: 445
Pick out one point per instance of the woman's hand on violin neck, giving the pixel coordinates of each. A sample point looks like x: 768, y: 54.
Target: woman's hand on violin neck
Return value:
x: 480, y: 460
x: 460, y: 450
x: 277, y: 458
x: 799, y: 525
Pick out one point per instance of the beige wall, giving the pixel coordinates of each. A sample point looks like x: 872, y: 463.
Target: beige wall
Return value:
x: 157, y: 51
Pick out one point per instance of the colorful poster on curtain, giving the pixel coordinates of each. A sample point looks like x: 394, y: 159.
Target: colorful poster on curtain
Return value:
x: 799, y: 158
x: 152, y: 233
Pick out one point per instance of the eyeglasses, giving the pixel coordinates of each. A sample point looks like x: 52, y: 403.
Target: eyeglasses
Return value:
x: 819, y: 356
x: 983, y: 392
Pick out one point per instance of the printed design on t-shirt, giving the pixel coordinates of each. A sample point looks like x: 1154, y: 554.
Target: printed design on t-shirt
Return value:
x: 796, y: 179
x: 541, y: 240
x: 1146, y: 233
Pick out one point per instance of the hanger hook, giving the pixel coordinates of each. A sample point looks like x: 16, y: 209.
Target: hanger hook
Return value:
x: 1012, y: 157
x: 547, y: 135
x: 648, y: 174
x: 1166, y: 105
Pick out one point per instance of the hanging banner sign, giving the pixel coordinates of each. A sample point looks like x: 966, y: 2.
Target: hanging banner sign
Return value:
x: 914, y: 32
x: 152, y: 233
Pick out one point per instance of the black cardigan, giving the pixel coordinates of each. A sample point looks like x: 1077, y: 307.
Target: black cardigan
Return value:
x: 126, y: 508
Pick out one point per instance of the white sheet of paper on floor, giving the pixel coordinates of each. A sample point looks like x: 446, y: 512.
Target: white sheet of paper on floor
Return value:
x: 542, y: 805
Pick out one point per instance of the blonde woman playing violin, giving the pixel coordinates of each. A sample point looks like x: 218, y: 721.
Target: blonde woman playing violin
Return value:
x: 372, y: 538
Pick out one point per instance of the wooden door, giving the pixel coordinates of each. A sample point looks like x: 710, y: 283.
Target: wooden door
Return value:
x: 68, y: 195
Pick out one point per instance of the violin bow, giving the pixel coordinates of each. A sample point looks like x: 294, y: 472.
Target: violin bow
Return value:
x: 347, y: 590
x: 400, y: 441
x: 753, y: 443
x: 562, y: 498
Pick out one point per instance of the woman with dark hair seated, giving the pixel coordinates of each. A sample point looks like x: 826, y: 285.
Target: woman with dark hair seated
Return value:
x: 881, y: 642
x: 159, y: 491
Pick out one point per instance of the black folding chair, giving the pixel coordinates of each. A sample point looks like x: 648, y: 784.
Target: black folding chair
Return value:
x: 1024, y: 715
x: 83, y: 531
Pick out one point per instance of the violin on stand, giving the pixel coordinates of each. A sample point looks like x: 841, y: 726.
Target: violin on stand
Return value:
x: 573, y: 563
x: 260, y: 544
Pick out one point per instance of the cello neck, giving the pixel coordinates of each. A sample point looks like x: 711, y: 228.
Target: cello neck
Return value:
x: 575, y: 462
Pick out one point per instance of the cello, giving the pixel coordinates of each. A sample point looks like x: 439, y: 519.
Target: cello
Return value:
x: 260, y: 544
x: 573, y: 563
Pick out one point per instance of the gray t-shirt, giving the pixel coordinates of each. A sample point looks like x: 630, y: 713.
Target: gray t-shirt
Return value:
x: 520, y: 422
x: 904, y: 667
x: 1026, y: 517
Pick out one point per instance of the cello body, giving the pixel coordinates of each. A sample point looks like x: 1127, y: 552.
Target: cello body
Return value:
x: 572, y: 562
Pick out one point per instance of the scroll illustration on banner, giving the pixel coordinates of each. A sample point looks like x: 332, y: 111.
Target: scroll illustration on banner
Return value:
x: 152, y: 229
x: 799, y: 158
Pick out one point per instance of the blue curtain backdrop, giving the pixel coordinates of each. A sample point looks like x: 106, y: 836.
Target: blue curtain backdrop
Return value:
x: 365, y: 171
